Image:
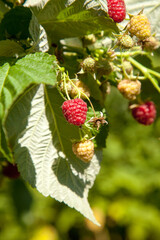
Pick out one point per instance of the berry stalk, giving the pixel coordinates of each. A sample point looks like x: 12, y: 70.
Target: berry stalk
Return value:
x: 84, y: 95
x: 145, y: 71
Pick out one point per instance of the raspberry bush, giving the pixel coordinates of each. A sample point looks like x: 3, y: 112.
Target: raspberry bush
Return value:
x: 58, y: 69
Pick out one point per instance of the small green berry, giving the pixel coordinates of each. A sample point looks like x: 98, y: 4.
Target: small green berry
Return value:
x: 128, y: 67
x: 89, y: 64
x: 126, y: 41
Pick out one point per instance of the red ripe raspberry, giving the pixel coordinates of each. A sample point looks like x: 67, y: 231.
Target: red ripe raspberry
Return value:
x: 116, y: 10
x: 145, y: 113
x: 75, y: 111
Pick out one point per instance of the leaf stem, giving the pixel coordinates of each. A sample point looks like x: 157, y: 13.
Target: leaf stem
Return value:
x: 122, y: 65
x: 146, y: 72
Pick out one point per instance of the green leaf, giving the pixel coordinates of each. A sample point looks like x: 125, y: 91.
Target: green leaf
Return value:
x: 155, y: 58
x: 9, y: 48
x: 3, y: 9
x: 33, y: 69
x: 15, y: 23
x: 154, y: 18
x: 43, y: 150
x: 64, y: 19
x: 38, y: 35
x: 4, y: 149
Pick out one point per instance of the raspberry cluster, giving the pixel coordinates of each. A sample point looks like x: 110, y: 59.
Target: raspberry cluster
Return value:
x: 101, y: 64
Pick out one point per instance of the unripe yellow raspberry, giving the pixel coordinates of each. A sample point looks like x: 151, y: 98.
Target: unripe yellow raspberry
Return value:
x: 129, y: 88
x: 140, y: 26
x: 81, y: 87
x: 68, y: 86
x: 84, y: 150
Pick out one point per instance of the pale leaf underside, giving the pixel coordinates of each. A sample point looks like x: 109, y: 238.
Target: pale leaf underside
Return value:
x: 39, y: 155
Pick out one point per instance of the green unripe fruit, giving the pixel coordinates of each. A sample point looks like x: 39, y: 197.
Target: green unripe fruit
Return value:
x: 126, y: 41
x: 127, y: 67
x: 89, y: 64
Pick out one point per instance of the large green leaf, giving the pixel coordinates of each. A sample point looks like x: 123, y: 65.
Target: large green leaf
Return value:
x: 27, y: 33
x: 43, y: 149
x: 15, y: 23
x: 9, y: 48
x: 63, y: 19
x: 4, y: 148
x: 14, y: 79
x: 38, y: 35
x: 32, y: 69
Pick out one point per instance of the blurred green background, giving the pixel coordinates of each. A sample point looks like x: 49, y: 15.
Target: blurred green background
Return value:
x: 125, y: 197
